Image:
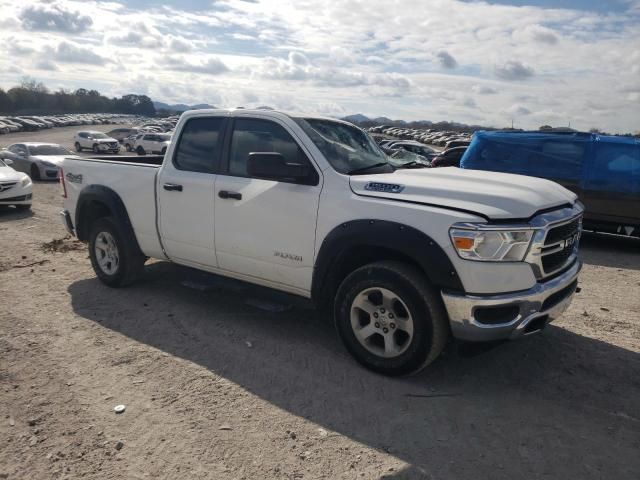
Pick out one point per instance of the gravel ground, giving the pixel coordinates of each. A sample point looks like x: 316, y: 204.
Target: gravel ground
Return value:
x: 222, y: 380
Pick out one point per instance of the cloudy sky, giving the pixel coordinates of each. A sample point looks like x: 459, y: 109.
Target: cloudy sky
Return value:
x: 487, y: 62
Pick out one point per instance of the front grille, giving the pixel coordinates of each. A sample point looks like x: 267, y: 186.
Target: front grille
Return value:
x: 21, y: 198
x: 554, y: 261
x: 112, y: 145
x: 563, y: 232
x: 7, y: 185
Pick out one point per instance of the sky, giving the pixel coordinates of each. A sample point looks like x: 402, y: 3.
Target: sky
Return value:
x: 556, y: 62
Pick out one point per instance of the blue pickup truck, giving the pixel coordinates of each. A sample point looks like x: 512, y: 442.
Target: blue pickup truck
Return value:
x: 604, y: 171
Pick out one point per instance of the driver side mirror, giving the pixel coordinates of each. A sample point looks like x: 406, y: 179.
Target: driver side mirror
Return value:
x: 273, y: 166
x: 7, y: 161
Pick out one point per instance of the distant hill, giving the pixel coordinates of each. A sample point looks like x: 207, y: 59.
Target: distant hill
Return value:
x: 357, y: 118
x: 180, y: 107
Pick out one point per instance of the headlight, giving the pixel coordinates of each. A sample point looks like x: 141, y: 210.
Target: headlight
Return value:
x: 491, y: 245
x: 47, y: 164
x: 26, y: 181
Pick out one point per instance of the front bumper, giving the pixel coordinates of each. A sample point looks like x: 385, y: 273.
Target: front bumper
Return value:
x: 65, y: 217
x: 511, y: 315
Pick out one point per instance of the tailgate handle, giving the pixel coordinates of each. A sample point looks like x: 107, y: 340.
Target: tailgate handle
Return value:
x: 226, y: 194
x: 172, y: 187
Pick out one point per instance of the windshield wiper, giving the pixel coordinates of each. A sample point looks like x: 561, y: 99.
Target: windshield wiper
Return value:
x: 369, y: 167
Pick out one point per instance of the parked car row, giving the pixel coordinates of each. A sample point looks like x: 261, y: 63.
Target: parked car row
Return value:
x: 32, y: 123
x: 447, y: 139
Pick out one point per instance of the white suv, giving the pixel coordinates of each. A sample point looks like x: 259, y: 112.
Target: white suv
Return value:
x: 152, y: 143
x: 96, y: 141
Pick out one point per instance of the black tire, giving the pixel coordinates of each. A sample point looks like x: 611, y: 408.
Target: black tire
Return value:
x: 128, y: 147
x: 78, y: 147
x: 35, y: 172
x: 130, y: 264
x: 95, y: 148
x: 140, y: 151
x: 430, y: 324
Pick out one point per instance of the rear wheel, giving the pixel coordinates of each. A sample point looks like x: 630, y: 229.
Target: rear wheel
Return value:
x: 115, y: 262
x: 390, y: 319
x: 78, y: 147
x: 35, y: 172
x: 140, y: 151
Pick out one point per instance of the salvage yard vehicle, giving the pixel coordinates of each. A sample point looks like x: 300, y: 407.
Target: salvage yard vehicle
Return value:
x: 311, y: 206
x: 96, y: 141
x: 152, y: 143
x: 604, y: 171
x: 40, y: 161
x: 15, y: 187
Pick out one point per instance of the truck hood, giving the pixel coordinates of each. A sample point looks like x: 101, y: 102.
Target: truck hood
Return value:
x: 490, y: 194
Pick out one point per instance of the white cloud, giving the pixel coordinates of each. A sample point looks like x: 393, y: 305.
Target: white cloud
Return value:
x: 446, y: 59
x: 484, y: 90
x: 67, y: 52
x: 54, y: 16
x: 517, y: 110
x: 513, y: 70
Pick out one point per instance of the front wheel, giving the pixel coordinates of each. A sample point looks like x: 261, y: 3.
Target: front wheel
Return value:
x: 95, y: 148
x: 78, y: 147
x: 115, y: 262
x: 390, y: 319
x: 35, y: 172
x: 140, y: 151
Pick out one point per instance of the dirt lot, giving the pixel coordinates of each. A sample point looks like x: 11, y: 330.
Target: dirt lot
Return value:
x: 218, y: 388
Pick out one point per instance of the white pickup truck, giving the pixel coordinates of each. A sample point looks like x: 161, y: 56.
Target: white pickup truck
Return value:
x: 404, y: 256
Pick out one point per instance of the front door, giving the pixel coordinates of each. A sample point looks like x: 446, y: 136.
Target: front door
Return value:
x: 186, y: 197
x: 265, y: 229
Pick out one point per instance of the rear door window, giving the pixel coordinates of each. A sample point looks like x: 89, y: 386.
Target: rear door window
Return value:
x: 198, y: 148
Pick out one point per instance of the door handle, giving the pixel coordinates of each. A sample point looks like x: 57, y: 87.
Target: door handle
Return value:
x: 172, y: 187
x: 226, y: 195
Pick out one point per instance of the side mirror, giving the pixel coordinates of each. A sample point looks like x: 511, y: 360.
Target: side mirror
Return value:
x: 273, y: 166
x: 8, y: 161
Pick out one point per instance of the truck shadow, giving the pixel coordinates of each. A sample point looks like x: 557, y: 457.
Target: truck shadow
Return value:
x: 541, y: 406
x: 615, y: 251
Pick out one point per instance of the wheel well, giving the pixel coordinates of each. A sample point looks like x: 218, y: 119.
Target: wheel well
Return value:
x: 91, y: 211
x: 354, y: 257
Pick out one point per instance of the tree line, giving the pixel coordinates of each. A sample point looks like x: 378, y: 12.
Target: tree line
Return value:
x: 34, y: 98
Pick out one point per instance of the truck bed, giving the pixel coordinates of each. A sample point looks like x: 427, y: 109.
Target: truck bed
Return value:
x: 155, y: 160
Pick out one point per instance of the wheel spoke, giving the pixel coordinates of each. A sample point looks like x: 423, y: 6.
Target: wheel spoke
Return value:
x: 366, y: 331
x: 406, y: 325
x: 390, y: 347
x: 363, y: 303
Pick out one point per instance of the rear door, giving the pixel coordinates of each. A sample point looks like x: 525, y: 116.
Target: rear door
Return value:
x: 612, y: 187
x: 185, y: 191
x: 265, y: 229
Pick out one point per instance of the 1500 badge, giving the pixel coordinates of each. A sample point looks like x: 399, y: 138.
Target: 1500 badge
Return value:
x: 288, y: 256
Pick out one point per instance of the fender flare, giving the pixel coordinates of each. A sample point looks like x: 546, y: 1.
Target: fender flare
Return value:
x: 403, y: 239
x: 109, y: 198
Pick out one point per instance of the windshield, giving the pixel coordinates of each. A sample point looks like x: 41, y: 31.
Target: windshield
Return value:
x: 346, y: 148
x: 163, y: 137
x: 98, y: 135
x: 48, y: 150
